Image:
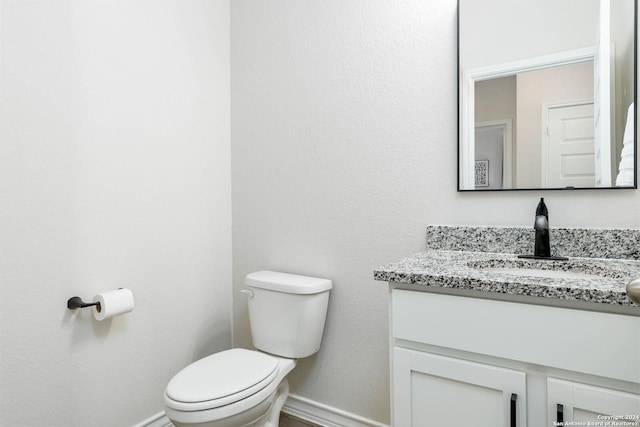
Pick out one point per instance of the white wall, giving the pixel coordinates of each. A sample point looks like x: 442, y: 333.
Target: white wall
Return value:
x: 556, y: 85
x: 344, y: 124
x: 114, y: 171
x: 498, y: 31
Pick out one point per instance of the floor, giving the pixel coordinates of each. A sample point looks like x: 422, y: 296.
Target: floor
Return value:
x: 287, y: 420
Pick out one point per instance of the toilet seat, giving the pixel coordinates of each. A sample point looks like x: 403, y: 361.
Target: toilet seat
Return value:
x: 221, y: 379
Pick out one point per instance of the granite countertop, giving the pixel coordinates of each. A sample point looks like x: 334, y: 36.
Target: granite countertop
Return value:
x: 459, y: 257
x: 472, y: 270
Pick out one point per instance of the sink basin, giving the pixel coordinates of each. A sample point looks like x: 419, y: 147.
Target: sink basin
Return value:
x: 533, y: 272
x: 574, y: 269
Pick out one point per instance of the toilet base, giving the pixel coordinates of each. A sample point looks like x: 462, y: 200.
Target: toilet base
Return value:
x: 272, y: 418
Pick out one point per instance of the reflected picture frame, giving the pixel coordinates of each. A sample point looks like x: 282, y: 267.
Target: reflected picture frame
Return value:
x: 482, y: 173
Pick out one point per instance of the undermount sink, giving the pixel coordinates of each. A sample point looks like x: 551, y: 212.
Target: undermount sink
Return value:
x: 533, y: 272
x: 573, y: 269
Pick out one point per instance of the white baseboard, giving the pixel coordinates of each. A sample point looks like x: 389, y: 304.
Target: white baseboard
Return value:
x: 158, y: 420
x: 324, y: 415
x: 300, y: 407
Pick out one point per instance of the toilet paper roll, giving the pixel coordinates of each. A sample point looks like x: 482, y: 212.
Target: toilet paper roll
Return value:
x: 112, y: 303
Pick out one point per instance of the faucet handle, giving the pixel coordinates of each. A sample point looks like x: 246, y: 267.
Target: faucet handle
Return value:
x: 633, y: 290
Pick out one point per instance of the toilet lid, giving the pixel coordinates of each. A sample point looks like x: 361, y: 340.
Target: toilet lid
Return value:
x: 225, y: 375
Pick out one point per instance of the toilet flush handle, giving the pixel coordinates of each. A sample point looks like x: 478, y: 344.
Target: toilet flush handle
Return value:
x: 247, y: 292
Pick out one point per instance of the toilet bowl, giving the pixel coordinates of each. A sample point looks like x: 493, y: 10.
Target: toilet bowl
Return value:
x: 240, y: 387
x: 232, y: 388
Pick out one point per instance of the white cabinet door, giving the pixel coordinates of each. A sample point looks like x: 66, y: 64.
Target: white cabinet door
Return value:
x: 570, y: 401
x: 431, y: 390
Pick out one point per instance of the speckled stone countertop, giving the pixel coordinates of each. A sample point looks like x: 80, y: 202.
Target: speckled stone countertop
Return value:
x: 457, y: 257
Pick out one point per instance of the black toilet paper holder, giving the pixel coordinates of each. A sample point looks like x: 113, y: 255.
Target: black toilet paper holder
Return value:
x: 76, y: 302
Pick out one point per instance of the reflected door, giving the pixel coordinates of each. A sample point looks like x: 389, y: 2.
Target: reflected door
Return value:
x: 569, y: 149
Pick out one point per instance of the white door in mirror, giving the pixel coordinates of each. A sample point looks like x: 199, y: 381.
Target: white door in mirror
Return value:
x: 569, y: 148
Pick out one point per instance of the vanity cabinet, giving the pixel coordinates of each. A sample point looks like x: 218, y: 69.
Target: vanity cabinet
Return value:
x: 462, y: 361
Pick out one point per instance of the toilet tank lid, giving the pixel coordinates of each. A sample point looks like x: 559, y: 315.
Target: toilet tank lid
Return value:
x: 289, y: 283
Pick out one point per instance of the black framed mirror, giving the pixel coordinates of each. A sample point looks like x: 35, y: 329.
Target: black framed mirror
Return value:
x: 546, y: 94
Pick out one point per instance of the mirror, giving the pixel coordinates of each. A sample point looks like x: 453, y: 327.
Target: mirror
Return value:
x: 547, y: 90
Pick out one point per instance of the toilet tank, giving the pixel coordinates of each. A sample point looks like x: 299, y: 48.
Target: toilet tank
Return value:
x: 287, y: 312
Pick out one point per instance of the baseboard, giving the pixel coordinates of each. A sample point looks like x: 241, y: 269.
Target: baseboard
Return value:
x: 158, y: 420
x: 324, y: 415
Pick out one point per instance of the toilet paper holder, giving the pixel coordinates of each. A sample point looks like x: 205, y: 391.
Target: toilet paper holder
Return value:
x: 76, y: 302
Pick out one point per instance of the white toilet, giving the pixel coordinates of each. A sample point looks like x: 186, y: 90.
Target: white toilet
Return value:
x: 240, y: 387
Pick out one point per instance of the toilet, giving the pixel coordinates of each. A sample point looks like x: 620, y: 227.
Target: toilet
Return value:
x: 241, y: 387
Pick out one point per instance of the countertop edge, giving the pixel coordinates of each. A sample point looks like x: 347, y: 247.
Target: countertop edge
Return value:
x: 415, y: 270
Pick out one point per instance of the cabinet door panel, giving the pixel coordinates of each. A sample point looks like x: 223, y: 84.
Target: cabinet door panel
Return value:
x: 432, y: 390
x: 444, y: 401
x: 583, y: 403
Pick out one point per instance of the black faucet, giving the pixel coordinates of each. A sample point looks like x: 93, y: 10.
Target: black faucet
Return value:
x: 542, y: 246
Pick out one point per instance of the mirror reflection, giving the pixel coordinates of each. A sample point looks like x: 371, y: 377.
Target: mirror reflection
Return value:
x: 547, y: 94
